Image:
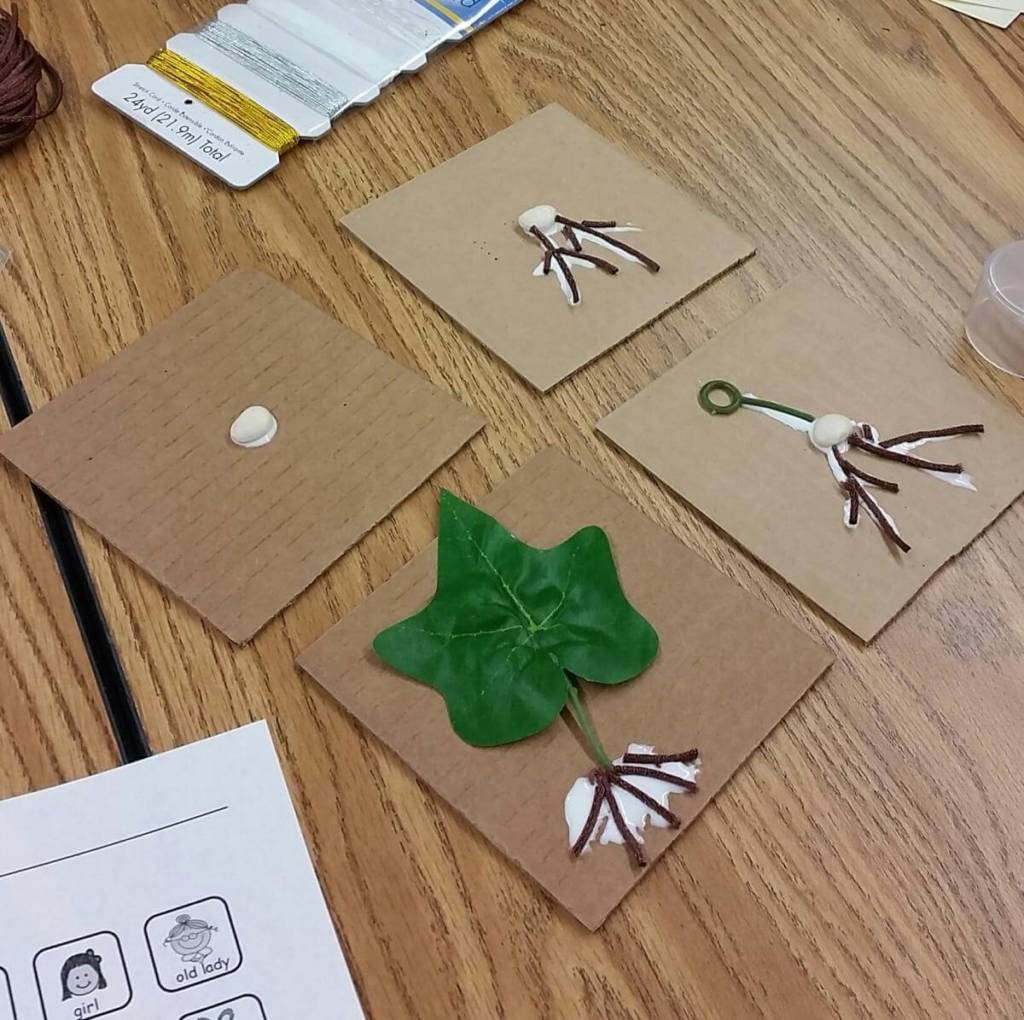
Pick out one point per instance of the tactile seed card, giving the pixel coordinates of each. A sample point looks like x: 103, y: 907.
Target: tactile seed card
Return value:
x: 134, y: 893
x: 548, y: 243
x: 508, y: 745
x: 843, y: 456
x: 240, y: 448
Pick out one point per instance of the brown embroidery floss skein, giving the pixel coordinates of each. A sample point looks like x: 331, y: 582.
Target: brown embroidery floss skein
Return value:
x: 22, y: 69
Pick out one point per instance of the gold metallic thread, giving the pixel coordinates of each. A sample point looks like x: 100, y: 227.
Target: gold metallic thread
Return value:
x: 222, y: 98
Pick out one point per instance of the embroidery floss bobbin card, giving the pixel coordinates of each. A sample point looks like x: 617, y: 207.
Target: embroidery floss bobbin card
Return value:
x: 474, y: 235
x: 252, y: 37
x: 727, y: 671
x: 236, y: 93
x: 236, y: 451
x: 770, y: 489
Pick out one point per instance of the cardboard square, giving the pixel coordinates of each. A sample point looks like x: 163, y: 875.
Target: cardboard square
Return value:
x: 452, y: 234
x: 729, y: 669
x: 139, y: 450
x: 809, y: 347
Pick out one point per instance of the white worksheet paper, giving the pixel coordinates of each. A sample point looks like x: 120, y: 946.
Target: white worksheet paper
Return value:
x: 177, y: 888
x: 1000, y: 16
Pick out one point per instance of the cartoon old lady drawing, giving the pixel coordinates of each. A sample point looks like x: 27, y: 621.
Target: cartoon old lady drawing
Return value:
x: 190, y: 938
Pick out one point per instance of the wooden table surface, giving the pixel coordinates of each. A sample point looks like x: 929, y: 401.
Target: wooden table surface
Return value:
x: 53, y: 727
x: 869, y: 860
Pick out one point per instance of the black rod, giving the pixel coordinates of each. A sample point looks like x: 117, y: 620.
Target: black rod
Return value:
x: 92, y: 623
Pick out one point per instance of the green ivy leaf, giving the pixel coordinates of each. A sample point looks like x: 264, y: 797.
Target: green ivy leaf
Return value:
x: 508, y: 620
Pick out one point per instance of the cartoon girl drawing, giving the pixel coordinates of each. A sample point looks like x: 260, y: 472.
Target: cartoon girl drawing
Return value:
x: 190, y: 938
x: 82, y: 975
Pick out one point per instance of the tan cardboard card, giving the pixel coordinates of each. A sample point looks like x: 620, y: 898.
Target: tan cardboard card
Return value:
x: 727, y: 672
x: 763, y: 483
x: 453, y: 234
x: 140, y: 450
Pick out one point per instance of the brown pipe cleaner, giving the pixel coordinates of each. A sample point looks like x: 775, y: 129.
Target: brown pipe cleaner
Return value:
x: 22, y: 69
x: 869, y: 442
x: 603, y: 779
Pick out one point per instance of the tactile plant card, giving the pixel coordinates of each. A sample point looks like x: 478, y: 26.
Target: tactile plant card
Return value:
x: 726, y: 671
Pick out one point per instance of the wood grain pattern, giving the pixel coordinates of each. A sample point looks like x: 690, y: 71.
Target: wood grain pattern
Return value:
x: 52, y: 724
x: 867, y: 862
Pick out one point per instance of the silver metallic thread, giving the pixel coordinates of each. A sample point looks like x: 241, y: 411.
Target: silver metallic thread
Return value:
x: 275, y: 68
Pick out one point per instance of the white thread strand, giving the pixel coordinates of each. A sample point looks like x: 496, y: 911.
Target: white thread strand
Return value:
x: 274, y: 68
x: 404, y: 18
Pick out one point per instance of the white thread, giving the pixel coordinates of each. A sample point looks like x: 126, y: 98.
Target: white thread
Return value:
x: 368, y: 50
x: 378, y: 50
x: 406, y: 19
x: 275, y: 68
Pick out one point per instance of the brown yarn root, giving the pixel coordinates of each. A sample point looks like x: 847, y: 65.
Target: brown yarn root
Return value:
x: 607, y: 776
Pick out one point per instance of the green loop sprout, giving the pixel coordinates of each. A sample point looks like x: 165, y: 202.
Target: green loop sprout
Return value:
x: 737, y: 400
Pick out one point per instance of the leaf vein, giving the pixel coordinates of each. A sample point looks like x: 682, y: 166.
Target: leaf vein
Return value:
x: 494, y: 570
x: 468, y: 634
x: 565, y: 590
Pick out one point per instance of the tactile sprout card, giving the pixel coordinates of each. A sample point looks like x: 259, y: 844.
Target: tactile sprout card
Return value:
x: 857, y: 519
